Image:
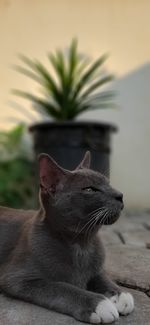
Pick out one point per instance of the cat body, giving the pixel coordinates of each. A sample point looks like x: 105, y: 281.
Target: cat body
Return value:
x: 26, y: 237
x: 54, y: 257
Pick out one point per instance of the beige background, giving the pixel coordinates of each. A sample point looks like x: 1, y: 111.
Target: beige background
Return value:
x: 121, y: 28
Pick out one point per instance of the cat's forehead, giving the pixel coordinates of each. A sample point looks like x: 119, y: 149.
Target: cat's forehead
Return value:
x: 87, y: 177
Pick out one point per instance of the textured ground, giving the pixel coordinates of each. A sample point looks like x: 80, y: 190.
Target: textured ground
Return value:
x: 128, y: 260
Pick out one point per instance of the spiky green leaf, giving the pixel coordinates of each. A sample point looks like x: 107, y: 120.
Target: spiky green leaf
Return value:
x: 75, y: 88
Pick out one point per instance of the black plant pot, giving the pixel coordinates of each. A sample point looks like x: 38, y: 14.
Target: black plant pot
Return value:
x: 67, y: 142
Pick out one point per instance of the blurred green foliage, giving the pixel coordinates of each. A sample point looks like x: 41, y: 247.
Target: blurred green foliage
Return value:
x: 16, y: 170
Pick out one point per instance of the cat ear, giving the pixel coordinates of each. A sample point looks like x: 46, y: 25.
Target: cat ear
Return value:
x: 86, y: 161
x: 51, y: 174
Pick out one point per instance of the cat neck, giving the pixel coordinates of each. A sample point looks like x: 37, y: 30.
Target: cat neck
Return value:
x: 72, y: 238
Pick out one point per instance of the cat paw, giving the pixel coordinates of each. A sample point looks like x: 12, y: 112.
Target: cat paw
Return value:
x: 105, y: 313
x: 124, y: 303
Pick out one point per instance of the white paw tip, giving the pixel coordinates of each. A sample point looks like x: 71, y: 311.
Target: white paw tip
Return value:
x: 95, y: 319
x: 123, y: 302
x: 105, y: 312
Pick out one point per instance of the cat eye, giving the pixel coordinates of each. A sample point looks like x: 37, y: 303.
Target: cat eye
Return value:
x: 90, y: 189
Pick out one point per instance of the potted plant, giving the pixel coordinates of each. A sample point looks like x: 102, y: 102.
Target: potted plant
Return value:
x: 74, y: 89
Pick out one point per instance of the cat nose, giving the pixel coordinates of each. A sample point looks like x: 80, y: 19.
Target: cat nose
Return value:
x: 119, y: 197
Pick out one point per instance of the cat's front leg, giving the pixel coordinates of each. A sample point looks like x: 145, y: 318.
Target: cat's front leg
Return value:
x: 65, y: 298
x: 123, y: 301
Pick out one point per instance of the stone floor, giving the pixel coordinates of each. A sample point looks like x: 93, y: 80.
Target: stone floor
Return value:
x: 127, y: 245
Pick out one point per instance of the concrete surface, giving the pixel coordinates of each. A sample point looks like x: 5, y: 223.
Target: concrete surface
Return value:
x: 128, y: 262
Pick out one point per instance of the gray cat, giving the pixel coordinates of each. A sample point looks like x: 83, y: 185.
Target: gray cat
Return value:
x: 54, y: 257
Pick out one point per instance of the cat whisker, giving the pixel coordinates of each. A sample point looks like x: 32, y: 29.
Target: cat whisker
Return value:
x: 101, y: 215
x: 105, y: 217
x: 85, y: 225
x: 97, y: 211
x: 92, y: 216
x: 90, y: 227
x: 76, y: 230
x: 93, y: 223
x: 90, y: 224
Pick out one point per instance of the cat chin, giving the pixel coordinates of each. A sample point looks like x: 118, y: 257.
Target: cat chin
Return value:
x: 112, y: 219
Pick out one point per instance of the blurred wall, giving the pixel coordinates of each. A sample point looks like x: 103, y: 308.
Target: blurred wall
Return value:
x: 120, y: 28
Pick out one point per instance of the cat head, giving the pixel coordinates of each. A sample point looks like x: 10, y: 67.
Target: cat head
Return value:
x: 77, y: 202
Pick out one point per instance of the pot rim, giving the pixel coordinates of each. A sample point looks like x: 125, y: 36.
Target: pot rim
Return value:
x: 46, y: 124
